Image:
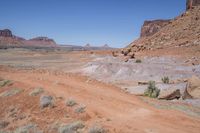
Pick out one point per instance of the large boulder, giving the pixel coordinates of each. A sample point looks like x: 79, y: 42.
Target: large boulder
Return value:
x: 170, y: 94
x: 46, y: 101
x: 193, y: 88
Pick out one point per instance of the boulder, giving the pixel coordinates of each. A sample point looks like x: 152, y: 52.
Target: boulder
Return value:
x: 46, y: 101
x: 193, y: 88
x: 170, y: 94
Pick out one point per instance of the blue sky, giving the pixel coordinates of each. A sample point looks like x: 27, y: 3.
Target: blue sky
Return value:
x: 77, y: 22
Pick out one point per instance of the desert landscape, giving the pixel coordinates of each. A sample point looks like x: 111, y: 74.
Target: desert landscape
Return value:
x: 150, y: 86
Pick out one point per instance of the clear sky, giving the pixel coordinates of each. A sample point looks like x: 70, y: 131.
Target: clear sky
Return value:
x: 77, y: 22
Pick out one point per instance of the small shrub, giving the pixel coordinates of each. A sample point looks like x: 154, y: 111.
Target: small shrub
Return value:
x: 5, y: 82
x: 165, y: 80
x: 138, y: 61
x: 71, y: 102
x: 152, y: 91
x: 11, y: 92
x: 97, y: 129
x: 80, y: 109
x: 36, y: 91
x: 72, y: 127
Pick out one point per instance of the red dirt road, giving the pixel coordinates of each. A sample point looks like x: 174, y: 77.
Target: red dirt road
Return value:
x: 105, y: 104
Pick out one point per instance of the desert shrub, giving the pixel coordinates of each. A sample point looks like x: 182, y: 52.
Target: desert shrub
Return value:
x: 36, y: 91
x: 71, y: 102
x: 72, y: 127
x: 152, y: 91
x: 5, y: 82
x: 165, y: 80
x: 97, y: 129
x: 138, y: 61
x: 11, y: 92
x: 80, y: 109
x: 30, y: 128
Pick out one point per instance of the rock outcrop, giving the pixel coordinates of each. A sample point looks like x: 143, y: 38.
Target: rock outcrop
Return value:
x: 191, y: 3
x: 5, y: 33
x: 193, y: 88
x: 182, y: 31
x: 151, y: 27
x: 170, y: 94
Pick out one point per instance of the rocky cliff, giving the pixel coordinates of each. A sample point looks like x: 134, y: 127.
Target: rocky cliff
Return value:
x: 192, y: 3
x: 151, y: 27
x: 182, y: 31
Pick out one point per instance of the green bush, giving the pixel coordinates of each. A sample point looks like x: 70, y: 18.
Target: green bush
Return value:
x: 138, y: 61
x: 165, y: 80
x: 152, y: 91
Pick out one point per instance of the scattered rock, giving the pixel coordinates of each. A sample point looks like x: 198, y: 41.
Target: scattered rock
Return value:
x: 72, y: 127
x: 46, y: 101
x: 170, y: 94
x: 11, y: 92
x: 36, y: 91
x: 193, y: 88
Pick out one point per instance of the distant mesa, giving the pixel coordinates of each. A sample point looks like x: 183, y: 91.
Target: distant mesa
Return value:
x: 5, y: 33
x: 7, y: 39
x: 191, y: 3
x: 88, y: 45
x: 151, y: 27
x: 43, y: 41
x: 106, y: 46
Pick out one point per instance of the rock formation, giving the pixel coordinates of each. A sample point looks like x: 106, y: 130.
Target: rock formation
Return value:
x: 7, y: 39
x: 192, y: 3
x: 5, y: 33
x: 151, y: 27
x: 42, y: 41
x: 182, y: 31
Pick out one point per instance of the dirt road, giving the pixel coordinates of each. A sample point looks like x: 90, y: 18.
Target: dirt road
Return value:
x: 105, y: 104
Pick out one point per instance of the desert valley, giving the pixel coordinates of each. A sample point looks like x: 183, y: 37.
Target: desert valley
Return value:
x: 150, y: 86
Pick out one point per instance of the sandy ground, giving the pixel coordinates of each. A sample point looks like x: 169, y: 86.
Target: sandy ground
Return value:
x: 106, y: 104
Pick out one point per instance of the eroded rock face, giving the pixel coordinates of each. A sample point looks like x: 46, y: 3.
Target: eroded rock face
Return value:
x: 191, y: 3
x: 151, y: 27
x: 6, y: 33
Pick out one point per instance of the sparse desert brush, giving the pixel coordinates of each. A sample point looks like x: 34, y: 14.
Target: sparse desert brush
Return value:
x: 70, y: 102
x: 152, y: 91
x: 72, y: 127
x: 97, y: 129
x: 138, y: 61
x: 5, y: 82
x: 36, y: 91
x: 165, y: 80
x: 80, y: 109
